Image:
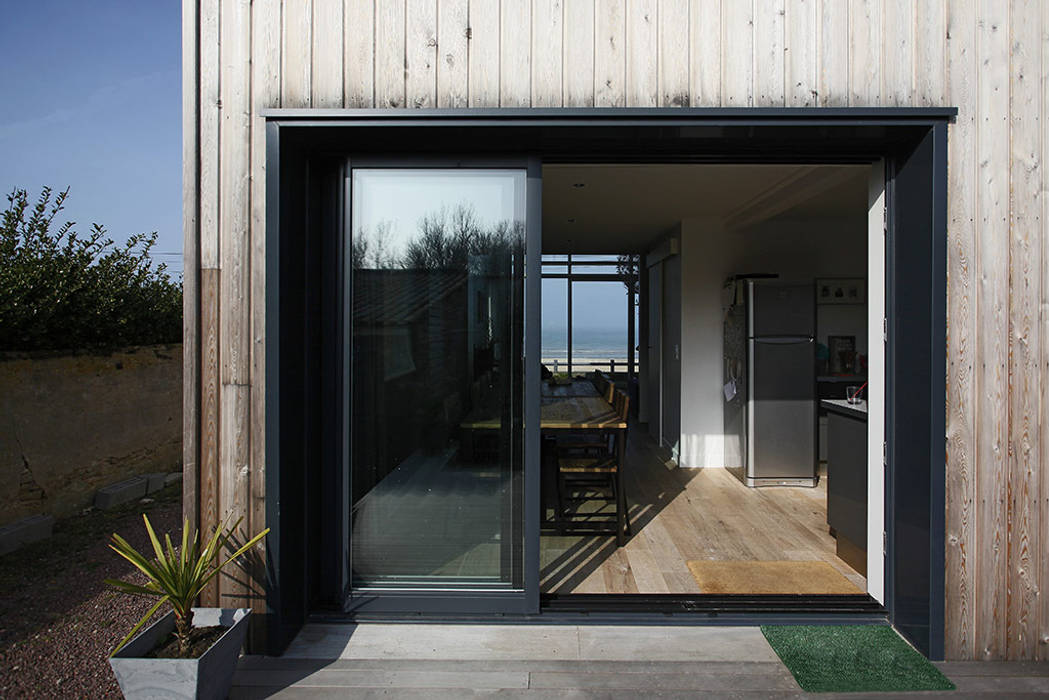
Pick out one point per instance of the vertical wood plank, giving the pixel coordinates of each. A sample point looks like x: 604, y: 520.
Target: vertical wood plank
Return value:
x: 389, y: 53
x: 992, y: 379
x: 800, y: 50
x: 233, y: 481
x: 359, y: 53
x: 674, y: 53
x: 609, y: 53
x: 834, y: 53
x: 327, y: 80
x: 265, y: 78
x: 898, y: 52
x: 420, y: 53
x: 1025, y: 272
x: 547, y: 52
x: 737, y: 53
x: 515, y: 72
x: 209, y: 133
x: 296, y: 48
x: 704, y: 32
x: 209, y: 412
x: 579, y: 53
x: 234, y: 161
x: 930, y: 56
x: 484, y: 54
x: 453, y: 22
x: 768, y: 54
x: 865, y: 53
x: 190, y: 261
x: 1043, y: 412
x: 963, y: 290
x: 642, y: 46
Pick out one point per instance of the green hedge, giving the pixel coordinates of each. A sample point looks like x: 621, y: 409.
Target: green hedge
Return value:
x: 63, y: 291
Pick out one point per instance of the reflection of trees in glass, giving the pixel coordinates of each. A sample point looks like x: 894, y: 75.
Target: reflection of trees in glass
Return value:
x: 446, y: 240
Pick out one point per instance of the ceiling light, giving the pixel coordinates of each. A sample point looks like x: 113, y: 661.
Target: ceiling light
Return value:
x: 579, y: 185
x: 571, y: 220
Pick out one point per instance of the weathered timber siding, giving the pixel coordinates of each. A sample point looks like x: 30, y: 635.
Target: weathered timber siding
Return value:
x: 989, y: 58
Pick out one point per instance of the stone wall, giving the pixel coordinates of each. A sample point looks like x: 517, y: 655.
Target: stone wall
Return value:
x: 70, y: 425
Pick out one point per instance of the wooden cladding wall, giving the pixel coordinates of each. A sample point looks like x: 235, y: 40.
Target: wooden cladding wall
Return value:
x: 989, y: 58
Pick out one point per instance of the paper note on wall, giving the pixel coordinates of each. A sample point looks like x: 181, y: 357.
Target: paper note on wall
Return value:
x: 729, y: 389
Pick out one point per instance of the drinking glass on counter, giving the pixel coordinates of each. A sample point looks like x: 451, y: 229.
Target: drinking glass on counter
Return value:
x: 852, y: 394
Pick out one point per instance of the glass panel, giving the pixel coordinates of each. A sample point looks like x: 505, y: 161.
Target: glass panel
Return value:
x: 555, y: 325
x: 437, y: 409
x: 599, y: 326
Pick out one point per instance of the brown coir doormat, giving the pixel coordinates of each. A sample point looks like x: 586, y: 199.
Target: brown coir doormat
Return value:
x: 770, y: 578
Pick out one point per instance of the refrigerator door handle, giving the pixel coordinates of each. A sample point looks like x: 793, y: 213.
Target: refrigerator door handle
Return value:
x: 786, y: 340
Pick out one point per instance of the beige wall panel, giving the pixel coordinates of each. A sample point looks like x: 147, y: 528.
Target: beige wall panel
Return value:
x: 327, y: 61
x: 190, y: 263
x: 579, y: 53
x: 642, y: 47
x: 420, y: 62
x: 801, y: 47
x: 992, y: 260
x: 865, y: 53
x: 234, y: 181
x: 547, y: 52
x: 389, y: 53
x: 453, y: 59
x: 704, y: 38
x: 833, y: 16
x: 609, y: 53
x: 898, y: 52
x: 674, y: 53
x: 359, y: 52
x: 962, y: 292
x: 769, y: 68
x: 484, y: 54
x: 265, y: 76
x: 930, y: 54
x: 737, y: 53
x: 234, y: 475
x: 515, y: 73
x: 296, y: 49
x: 1043, y: 364
x: 1025, y: 272
x: 210, y: 71
x: 207, y: 496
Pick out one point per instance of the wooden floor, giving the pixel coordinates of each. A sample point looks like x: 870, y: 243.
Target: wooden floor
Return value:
x: 680, y: 515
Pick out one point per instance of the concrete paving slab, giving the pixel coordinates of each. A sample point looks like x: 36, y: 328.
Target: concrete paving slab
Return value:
x: 674, y: 643
x: 21, y: 532
x: 121, y: 492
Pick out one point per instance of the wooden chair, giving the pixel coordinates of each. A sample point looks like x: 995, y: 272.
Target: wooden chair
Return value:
x: 589, y: 468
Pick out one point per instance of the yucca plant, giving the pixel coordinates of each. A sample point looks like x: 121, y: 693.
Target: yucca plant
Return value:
x: 177, y: 576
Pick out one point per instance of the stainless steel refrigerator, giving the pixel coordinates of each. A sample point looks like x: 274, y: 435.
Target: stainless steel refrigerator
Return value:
x: 770, y: 381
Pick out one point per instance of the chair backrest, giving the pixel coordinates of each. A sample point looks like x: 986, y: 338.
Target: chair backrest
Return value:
x: 602, y: 385
x: 621, y: 404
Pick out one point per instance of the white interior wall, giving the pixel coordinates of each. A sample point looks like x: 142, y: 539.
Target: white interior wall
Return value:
x: 798, y: 250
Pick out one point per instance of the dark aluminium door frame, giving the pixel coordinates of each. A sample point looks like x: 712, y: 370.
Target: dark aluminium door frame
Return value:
x: 306, y: 151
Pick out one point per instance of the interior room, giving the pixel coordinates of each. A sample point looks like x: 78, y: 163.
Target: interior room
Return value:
x: 724, y: 446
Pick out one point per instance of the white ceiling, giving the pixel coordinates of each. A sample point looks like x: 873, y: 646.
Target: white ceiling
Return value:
x: 623, y: 208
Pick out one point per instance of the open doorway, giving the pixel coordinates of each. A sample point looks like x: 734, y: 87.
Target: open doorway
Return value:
x: 744, y: 295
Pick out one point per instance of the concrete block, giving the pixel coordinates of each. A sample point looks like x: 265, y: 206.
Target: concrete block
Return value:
x: 24, y: 531
x: 173, y: 477
x: 121, y: 492
x: 155, y: 482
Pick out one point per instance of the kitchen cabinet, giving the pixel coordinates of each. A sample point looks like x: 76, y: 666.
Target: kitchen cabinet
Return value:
x: 847, y: 479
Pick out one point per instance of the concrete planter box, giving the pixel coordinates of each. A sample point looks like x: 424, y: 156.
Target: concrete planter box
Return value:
x: 209, y: 676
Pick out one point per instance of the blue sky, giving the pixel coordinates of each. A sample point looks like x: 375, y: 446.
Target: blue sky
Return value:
x: 92, y: 100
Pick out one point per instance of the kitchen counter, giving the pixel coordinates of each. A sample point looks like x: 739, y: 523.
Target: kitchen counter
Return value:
x: 852, y: 410
x: 847, y: 479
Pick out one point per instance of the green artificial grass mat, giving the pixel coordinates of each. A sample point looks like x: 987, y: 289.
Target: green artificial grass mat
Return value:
x: 852, y: 658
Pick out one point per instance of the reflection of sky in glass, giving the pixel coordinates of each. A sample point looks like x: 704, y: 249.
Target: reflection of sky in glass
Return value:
x: 404, y: 197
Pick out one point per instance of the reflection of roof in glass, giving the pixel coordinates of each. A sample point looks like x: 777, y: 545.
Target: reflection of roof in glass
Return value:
x: 396, y: 297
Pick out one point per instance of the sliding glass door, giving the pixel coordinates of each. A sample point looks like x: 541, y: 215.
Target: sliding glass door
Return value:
x: 436, y: 312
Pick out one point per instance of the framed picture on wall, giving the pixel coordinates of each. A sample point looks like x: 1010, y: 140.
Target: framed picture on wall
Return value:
x: 842, y: 354
x: 841, y: 290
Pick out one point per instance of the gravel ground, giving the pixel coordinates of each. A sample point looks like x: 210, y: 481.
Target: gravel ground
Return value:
x: 58, y: 621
